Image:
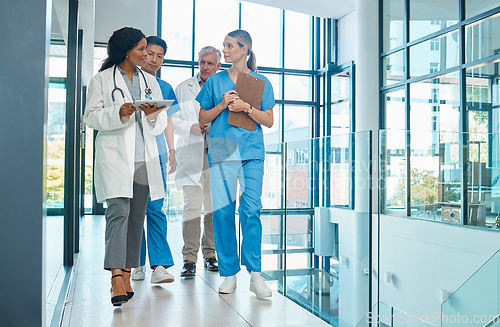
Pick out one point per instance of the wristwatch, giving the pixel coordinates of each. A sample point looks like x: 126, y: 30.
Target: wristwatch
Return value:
x: 249, y: 110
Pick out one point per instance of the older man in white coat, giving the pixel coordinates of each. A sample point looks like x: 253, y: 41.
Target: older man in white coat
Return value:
x: 192, y: 167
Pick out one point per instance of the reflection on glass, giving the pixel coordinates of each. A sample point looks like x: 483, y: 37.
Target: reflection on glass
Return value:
x: 476, y: 7
x: 434, y: 104
x: 393, y: 17
x: 340, y: 168
x: 274, y: 79
x: 271, y: 242
x: 484, y: 158
x: 466, y: 302
x: 298, y: 88
x: 177, y: 28
x: 297, y: 40
x: 393, y: 68
x: 53, y: 232
x: 434, y: 161
x: 299, y: 237
x: 395, y: 109
x: 56, y: 127
x: 298, y: 256
x: 273, y: 135
x: 100, y: 53
x: 340, y: 106
x: 341, y: 118
x: 435, y: 176
x: 393, y: 171
x: 221, y: 16
x: 435, y: 54
x: 266, y: 41
x: 482, y: 38
x: 298, y: 157
x: 272, y: 189
x: 444, y: 14
x: 341, y: 86
x: 297, y: 122
x: 89, y: 166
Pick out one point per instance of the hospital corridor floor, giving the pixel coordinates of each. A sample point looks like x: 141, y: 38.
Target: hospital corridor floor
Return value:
x: 185, y: 302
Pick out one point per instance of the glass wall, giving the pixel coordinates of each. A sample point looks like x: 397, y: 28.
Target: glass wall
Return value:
x: 285, y: 32
x: 444, y: 109
x: 56, y: 126
x: 429, y: 16
x: 393, y: 19
x: 56, y: 146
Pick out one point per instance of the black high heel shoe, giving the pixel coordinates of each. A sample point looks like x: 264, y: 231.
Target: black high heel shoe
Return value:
x: 118, y: 300
x: 129, y: 294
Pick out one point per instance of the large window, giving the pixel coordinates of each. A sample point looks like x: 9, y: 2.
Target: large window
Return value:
x: 282, y: 46
x: 441, y: 111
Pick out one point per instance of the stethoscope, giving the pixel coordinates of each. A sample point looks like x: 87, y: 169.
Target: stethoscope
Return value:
x: 147, y: 90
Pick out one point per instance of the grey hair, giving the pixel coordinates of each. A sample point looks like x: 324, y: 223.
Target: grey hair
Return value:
x: 209, y: 50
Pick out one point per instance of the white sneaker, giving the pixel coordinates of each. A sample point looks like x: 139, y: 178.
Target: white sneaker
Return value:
x: 161, y: 275
x: 258, y: 286
x: 139, y: 273
x: 228, y: 285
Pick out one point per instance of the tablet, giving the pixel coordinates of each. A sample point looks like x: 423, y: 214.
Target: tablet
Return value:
x: 159, y: 103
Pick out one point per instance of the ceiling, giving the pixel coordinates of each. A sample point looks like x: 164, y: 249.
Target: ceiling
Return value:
x: 320, y: 8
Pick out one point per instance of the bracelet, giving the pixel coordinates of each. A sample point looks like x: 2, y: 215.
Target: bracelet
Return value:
x: 171, y: 150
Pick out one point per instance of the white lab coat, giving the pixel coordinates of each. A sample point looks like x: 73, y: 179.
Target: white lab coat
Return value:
x: 189, y: 148
x: 115, y: 142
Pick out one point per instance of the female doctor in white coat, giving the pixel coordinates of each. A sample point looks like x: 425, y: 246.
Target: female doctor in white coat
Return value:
x: 127, y: 166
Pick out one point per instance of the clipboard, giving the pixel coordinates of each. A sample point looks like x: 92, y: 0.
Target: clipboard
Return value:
x: 250, y: 89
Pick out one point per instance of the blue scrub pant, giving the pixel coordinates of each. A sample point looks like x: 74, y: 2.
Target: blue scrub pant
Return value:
x: 224, y: 177
x: 158, y: 248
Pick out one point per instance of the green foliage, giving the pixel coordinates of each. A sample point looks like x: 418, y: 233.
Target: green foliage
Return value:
x: 423, y: 185
x: 424, y: 188
x: 55, y: 183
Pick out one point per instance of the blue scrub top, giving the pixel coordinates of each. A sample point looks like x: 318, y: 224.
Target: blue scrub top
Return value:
x: 168, y: 94
x: 228, y: 142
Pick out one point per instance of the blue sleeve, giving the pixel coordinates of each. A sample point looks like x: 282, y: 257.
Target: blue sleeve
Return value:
x: 206, y: 95
x: 267, y: 97
x: 168, y: 94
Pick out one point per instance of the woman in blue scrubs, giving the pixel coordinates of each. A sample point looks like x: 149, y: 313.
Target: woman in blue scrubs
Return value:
x: 236, y: 155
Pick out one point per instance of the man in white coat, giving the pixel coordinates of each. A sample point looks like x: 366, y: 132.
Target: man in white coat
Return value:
x: 192, y: 167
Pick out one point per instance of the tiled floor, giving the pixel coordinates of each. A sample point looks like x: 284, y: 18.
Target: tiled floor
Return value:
x: 185, y: 302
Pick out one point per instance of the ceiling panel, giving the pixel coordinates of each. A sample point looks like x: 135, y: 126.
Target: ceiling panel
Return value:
x: 320, y: 8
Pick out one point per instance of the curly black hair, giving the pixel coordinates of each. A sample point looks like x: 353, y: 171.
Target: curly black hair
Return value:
x: 119, y: 44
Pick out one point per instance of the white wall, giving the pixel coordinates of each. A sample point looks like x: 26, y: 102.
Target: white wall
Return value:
x: 425, y: 257
x: 347, y: 35
x: 111, y: 15
x: 86, y: 21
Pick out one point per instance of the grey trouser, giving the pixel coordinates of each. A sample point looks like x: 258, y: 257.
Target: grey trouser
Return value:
x: 124, y: 223
x: 194, y: 197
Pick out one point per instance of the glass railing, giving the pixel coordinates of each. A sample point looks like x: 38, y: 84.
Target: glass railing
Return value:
x: 442, y: 176
x: 477, y: 301
x: 383, y: 315
x: 331, y: 280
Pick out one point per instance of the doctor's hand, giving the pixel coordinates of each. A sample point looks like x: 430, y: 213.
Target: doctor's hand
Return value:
x: 229, y: 97
x: 198, y: 129
x: 151, y: 111
x: 172, y: 162
x: 127, y: 109
x: 238, y: 106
